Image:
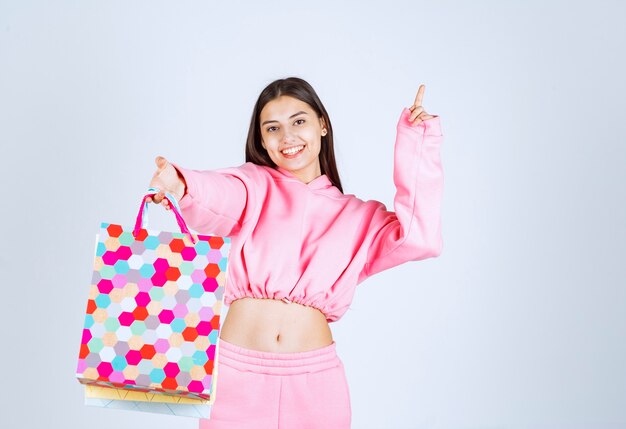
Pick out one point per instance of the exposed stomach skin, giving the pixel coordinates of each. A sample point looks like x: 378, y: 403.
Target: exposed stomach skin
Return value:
x: 273, y: 325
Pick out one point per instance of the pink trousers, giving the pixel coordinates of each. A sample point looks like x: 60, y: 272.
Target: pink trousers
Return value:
x: 265, y: 390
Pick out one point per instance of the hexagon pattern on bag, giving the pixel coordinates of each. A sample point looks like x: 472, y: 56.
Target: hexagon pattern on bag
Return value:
x: 153, y: 312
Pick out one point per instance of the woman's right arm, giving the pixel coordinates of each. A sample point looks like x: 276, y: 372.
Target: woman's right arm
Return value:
x: 211, y: 202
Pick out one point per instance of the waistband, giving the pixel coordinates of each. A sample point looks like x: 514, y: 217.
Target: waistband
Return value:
x: 273, y: 363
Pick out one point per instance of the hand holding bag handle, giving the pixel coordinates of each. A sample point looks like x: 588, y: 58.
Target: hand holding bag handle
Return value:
x: 142, y: 216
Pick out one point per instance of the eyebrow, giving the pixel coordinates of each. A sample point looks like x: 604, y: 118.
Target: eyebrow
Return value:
x: 295, y: 114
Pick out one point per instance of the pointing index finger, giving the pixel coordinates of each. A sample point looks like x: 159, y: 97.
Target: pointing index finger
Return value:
x: 420, y: 95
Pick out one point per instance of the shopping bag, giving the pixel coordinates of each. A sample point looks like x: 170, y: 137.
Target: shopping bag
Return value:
x: 153, y: 312
x: 124, y: 399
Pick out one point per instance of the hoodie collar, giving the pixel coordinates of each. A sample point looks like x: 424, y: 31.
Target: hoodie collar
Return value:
x: 320, y: 182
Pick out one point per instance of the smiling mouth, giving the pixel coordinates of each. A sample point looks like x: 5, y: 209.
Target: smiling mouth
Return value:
x: 294, y: 150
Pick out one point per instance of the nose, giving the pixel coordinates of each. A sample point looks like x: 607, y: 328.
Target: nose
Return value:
x: 288, y: 137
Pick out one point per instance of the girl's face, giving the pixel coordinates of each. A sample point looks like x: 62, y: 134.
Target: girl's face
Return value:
x: 291, y: 133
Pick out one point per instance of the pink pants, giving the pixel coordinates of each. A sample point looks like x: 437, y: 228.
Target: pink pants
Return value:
x: 263, y: 390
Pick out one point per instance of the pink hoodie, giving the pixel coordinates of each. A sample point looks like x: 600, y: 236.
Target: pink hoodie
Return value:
x: 309, y: 243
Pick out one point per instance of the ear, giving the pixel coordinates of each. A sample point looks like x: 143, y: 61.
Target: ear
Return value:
x: 323, y: 125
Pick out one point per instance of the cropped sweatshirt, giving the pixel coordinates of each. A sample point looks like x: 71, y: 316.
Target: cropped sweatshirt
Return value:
x: 308, y: 242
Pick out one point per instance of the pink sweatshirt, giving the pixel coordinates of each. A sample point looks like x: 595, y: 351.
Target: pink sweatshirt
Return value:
x: 309, y: 243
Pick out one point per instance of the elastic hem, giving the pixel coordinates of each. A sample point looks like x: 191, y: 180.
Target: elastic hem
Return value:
x: 230, y: 298
x: 273, y: 363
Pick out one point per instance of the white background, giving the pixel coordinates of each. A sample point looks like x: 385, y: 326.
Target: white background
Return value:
x: 520, y: 323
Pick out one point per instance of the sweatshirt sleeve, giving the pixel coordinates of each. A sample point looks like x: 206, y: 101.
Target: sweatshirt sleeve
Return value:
x: 413, y: 231
x: 214, y: 201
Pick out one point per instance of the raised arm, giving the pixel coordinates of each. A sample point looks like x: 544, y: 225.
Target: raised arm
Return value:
x: 413, y: 231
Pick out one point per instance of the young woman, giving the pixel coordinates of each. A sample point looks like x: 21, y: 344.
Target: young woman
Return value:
x: 299, y: 247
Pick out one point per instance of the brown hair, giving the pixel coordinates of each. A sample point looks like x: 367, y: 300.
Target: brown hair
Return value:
x: 303, y: 91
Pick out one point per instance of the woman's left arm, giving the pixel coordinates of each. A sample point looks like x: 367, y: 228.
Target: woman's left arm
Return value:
x: 413, y: 231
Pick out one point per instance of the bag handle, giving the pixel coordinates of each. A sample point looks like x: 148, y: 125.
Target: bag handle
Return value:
x: 142, y: 216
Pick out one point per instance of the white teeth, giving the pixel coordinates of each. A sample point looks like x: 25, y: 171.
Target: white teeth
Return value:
x: 292, y: 150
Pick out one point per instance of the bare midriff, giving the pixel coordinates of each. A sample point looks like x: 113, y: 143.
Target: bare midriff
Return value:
x: 277, y: 326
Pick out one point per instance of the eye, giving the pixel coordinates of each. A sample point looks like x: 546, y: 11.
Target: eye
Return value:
x: 269, y: 129
x: 300, y: 120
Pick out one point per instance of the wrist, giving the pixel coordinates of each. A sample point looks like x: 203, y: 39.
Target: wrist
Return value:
x: 181, y: 190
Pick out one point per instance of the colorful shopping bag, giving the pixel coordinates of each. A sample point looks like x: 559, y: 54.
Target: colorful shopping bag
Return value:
x: 153, y: 312
x: 124, y: 399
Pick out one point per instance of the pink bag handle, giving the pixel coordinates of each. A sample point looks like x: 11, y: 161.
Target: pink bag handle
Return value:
x: 142, y: 216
